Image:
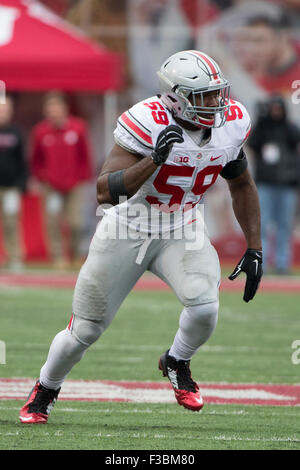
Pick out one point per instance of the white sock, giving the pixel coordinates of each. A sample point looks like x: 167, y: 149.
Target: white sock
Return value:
x: 196, y: 324
x: 65, y: 351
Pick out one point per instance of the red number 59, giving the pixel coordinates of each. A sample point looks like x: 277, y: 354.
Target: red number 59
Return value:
x: 234, y: 112
x: 158, y: 113
x: 162, y: 185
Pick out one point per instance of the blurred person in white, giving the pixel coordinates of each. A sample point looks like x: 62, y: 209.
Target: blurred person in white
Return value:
x: 158, y: 29
x: 13, y: 179
x: 169, y: 150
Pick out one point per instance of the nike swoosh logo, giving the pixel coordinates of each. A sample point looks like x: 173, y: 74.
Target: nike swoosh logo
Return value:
x: 22, y: 418
x: 256, y: 261
x: 239, y: 267
x: 215, y: 158
x: 199, y: 400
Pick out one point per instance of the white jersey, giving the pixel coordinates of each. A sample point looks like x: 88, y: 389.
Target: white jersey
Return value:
x: 162, y: 203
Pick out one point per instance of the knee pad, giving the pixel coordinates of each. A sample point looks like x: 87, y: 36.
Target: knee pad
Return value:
x: 201, y: 316
x: 200, y: 283
x: 85, y: 331
x: 194, y: 288
x: 198, y: 289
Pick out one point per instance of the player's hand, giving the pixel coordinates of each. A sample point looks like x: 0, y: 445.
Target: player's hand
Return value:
x: 165, y: 142
x: 251, y: 264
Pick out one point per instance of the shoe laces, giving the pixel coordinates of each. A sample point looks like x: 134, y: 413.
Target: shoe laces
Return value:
x: 42, y: 400
x: 183, y: 371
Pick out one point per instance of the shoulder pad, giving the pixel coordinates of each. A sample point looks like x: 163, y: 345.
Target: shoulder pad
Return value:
x: 140, y: 120
x: 139, y: 127
x: 135, y: 123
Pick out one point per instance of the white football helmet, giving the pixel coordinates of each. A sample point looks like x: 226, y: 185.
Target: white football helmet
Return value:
x: 184, y: 78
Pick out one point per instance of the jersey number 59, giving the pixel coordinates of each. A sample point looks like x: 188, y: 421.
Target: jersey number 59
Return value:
x: 176, y: 192
x: 158, y: 112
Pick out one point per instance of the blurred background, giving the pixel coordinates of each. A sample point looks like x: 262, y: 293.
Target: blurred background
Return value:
x: 70, y: 67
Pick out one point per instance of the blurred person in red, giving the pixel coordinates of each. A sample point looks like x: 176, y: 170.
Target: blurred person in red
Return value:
x: 61, y: 162
x: 13, y: 179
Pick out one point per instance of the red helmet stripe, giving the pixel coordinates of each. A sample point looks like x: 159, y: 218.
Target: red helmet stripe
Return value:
x: 208, y: 63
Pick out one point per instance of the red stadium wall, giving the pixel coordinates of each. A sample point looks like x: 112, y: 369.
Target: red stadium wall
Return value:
x: 35, y: 249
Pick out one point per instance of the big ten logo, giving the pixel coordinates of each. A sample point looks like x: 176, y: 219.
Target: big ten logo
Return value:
x: 296, y: 94
x: 179, y: 159
x: 296, y: 354
x: 2, y: 352
x: 2, y: 92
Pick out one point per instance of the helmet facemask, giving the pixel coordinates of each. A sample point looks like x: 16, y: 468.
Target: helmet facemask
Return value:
x: 192, y: 107
x: 198, y: 114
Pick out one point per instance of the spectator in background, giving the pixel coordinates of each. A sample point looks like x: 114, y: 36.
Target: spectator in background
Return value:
x: 13, y: 178
x: 266, y: 50
x: 61, y: 162
x: 275, y: 142
x: 258, y: 49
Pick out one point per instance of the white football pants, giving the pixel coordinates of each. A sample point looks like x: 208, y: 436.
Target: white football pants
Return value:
x: 113, y: 266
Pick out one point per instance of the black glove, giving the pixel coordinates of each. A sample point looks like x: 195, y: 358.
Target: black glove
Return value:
x: 164, y: 143
x: 251, y: 264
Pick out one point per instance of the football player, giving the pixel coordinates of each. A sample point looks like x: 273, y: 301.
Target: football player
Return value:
x: 169, y: 150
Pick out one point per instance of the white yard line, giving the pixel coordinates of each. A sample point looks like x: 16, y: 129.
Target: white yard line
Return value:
x: 222, y: 437
x: 156, y: 348
x: 249, y: 411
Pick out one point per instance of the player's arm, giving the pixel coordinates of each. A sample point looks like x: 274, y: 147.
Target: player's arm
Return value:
x: 246, y: 208
x: 123, y: 172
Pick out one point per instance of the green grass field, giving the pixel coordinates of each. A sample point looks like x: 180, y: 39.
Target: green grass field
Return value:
x: 252, y: 344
